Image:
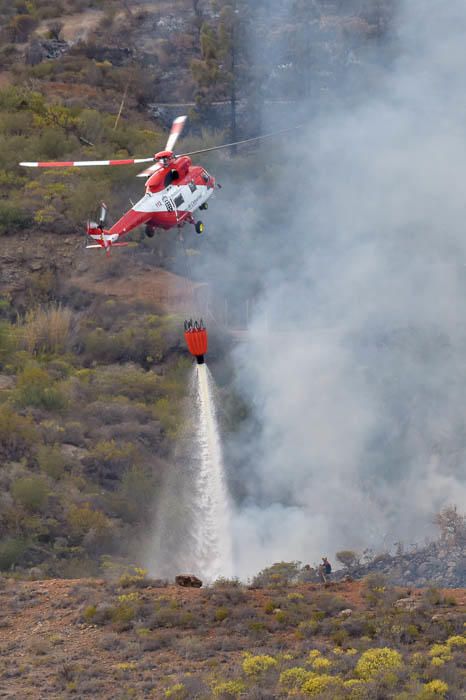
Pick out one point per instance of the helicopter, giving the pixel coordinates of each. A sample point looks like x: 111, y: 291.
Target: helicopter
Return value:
x: 175, y: 190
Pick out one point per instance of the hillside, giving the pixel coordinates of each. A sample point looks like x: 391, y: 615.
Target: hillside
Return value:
x: 340, y: 406
x: 142, y: 638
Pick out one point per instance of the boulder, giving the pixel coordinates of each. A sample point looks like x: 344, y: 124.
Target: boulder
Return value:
x: 188, y: 581
x: 408, y: 604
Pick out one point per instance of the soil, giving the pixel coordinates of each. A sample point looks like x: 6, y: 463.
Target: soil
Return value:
x: 47, y: 651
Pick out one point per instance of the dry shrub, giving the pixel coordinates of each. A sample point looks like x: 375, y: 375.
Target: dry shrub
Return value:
x: 452, y: 526
x: 47, y: 329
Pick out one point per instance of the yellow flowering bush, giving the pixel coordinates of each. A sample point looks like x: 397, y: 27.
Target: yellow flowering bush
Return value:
x: 434, y: 689
x: 437, y: 661
x: 418, y: 659
x: 295, y: 677
x: 441, y: 651
x: 129, y: 598
x: 456, y: 642
x: 319, y: 684
x: 351, y: 651
x: 314, y: 654
x: 255, y: 665
x: 321, y: 664
x: 126, y: 666
x: 378, y: 660
x: 230, y: 688
x: 177, y: 692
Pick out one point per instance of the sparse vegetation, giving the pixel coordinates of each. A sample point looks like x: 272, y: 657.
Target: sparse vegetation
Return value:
x: 129, y: 623
x: 93, y: 386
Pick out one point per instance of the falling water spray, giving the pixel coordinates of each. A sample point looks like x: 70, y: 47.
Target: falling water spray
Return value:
x: 193, y: 522
x: 211, y: 504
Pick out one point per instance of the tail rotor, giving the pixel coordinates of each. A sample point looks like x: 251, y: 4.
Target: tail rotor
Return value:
x: 103, y: 215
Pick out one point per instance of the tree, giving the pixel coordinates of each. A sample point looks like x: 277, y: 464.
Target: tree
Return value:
x: 223, y: 72
x: 305, y: 14
x: 452, y: 526
x: 198, y: 17
x: 348, y: 558
x: 20, y: 27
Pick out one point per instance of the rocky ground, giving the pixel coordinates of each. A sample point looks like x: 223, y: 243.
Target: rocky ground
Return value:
x: 435, y: 565
x: 137, y: 638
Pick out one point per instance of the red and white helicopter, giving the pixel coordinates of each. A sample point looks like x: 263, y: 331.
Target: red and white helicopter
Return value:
x: 175, y: 190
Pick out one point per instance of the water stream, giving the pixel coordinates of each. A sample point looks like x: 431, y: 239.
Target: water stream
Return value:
x: 211, y: 504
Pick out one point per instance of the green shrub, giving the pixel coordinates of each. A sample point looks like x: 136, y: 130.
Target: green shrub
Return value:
x: 51, y: 461
x: 84, y: 519
x: 134, y: 499
x: 7, y: 341
x: 221, y: 614
x: 123, y: 613
x: 279, y: 574
x: 348, y: 558
x: 17, y: 434
x: 13, y: 217
x: 30, y: 492
x: 11, y: 551
x: 134, y: 577
x: 35, y: 389
x: 90, y: 613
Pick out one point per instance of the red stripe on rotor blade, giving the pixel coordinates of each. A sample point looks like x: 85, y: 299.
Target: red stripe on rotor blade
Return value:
x: 130, y: 161
x: 66, y: 164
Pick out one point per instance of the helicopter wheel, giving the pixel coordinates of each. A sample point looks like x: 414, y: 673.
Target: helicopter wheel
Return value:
x: 204, y: 206
x: 150, y: 231
x: 199, y: 226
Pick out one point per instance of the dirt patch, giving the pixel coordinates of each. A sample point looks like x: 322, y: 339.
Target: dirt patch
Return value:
x: 5, y: 79
x: 75, y: 27
x: 48, y: 649
x: 165, y: 290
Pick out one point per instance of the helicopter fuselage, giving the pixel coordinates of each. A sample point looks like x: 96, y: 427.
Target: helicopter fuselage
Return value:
x: 174, y: 192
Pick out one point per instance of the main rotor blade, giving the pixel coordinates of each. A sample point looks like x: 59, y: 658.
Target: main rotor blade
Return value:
x: 150, y: 170
x: 175, y: 132
x: 238, y: 143
x: 86, y: 163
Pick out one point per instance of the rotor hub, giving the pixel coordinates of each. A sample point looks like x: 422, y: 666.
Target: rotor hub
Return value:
x: 164, y: 156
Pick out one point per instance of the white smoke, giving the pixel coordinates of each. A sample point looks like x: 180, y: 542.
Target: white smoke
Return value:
x: 355, y: 365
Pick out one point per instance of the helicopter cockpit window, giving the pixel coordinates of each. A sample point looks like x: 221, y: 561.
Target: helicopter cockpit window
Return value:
x: 171, y: 177
x: 192, y: 186
x: 205, y: 176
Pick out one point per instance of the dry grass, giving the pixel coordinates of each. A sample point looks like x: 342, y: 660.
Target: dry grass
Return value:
x: 194, y: 654
x: 47, y: 330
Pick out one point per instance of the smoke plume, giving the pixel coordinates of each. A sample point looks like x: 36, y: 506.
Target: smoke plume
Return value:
x: 355, y: 253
